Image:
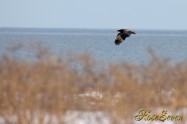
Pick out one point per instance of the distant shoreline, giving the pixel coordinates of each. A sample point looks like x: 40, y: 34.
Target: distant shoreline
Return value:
x: 66, y: 28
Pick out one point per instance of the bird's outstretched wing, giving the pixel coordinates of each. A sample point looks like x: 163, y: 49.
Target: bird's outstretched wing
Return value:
x: 132, y: 32
x: 121, y: 30
x: 126, y: 31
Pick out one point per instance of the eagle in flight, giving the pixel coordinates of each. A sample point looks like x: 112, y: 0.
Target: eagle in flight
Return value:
x: 122, y: 35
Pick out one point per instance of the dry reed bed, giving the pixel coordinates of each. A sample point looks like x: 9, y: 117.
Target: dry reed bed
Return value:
x: 52, y: 86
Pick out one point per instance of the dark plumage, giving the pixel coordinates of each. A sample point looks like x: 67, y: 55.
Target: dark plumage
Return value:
x: 122, y: 35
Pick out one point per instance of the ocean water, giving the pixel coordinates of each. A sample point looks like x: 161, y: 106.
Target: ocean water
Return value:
x: 99, y: 43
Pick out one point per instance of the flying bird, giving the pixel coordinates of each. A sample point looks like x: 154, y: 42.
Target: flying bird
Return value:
x: 122, y: 35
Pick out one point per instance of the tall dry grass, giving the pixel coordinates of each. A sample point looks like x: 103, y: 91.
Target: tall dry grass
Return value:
x: 44, y: 90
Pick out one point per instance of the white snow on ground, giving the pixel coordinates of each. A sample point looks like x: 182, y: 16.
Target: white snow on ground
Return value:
x: 86, y: 118
x: 97, y: 117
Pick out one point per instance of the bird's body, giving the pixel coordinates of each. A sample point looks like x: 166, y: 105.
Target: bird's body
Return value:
x: 122, y: 35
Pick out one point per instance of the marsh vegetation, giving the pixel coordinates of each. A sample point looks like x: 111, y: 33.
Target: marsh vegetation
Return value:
x: 46, y: 90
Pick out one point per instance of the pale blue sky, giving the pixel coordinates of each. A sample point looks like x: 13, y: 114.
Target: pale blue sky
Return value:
x: 133, y: 14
